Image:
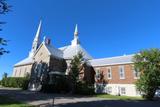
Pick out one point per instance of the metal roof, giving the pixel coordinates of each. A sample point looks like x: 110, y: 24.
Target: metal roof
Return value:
x: 112, y: 60
x: 70, y: 51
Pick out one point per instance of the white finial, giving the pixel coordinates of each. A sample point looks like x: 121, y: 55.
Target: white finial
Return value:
x: 75, y: 41
x: 44, y: 38
x: 76, y: 31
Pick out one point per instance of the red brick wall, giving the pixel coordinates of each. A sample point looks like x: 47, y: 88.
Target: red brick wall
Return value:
x: 128, y: 69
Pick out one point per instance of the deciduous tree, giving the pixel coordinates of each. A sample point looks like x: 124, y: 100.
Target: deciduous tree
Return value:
x: 4, y: 8
x: 148, y: 63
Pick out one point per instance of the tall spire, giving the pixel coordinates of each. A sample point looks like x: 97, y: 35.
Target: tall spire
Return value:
x: 76, y: 31
x: 36, y: 41
x: 75, y: 41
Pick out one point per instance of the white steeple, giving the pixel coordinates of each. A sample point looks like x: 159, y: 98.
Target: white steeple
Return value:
x: 36, y: 41
x: 75, y: 41
x: 76, y: 31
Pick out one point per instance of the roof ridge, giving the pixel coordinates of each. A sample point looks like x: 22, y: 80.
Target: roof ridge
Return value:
x: 113, y: 57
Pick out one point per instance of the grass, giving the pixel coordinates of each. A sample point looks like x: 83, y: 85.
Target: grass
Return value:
x: 8, y: 102
x: 113, y: 97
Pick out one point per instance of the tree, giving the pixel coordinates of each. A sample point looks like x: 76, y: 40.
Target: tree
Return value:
x: 147, y: 62
x: 4, y: 8
x: 75, y: 67
x: 4, y: 43
x: 81, y: 76
x: 101, y: 82
x: 5, y: 75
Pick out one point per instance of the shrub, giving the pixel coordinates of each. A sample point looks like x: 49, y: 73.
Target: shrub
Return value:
x: 84, y: 89
x: 59, y: 85
x: 15, y: 82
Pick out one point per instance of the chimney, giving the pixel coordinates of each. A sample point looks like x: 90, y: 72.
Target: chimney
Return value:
x: 48, y: 41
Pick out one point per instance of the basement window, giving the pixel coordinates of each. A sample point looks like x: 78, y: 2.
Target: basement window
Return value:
x: 109, y: 90
x: 123, y: 90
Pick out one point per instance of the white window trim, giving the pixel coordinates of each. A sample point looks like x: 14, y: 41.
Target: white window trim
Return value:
x: 123, y: 68
x: 122, y: 91
x: 110, y: 73
x: 96, y: 71
x: 20, y: 72
x: 25, y: 71
x: 15, y: 72
x: 109, y: 90
x: 134, y: 71
x: 134, y: 74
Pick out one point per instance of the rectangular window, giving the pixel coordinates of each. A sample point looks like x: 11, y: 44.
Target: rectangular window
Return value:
x: 97, y: 73
x: 121, y: 72
x: 137, y: 92
x: 15, y: 73
x: 109, y: 73
x: 25, y: 71
x: 19, y: 72
x: 123, y: 90
x: 136, y: 73
x: 109, y: 90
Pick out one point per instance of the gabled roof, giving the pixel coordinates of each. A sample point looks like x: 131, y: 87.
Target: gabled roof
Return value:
x: 26, y: 61
x: 51, y: 50
x: 112, y: 60
x: 54, y: 51
x: 70, y: 51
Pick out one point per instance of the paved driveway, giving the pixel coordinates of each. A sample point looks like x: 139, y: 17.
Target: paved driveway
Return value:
x: 59, y: 100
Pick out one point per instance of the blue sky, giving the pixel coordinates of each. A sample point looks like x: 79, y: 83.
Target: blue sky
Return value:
x: 106, y: 27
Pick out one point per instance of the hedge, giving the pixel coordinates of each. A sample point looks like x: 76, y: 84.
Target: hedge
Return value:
x: 60, y: 85
x: 84, y: 89
x: 15, y: 82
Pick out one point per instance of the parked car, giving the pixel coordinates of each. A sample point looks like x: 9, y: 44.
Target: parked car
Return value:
x: 157, y: 93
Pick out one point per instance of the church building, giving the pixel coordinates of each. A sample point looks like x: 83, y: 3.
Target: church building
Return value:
x: 118, y: 72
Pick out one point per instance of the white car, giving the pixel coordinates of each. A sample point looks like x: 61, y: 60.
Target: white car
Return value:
x: 157, y: 93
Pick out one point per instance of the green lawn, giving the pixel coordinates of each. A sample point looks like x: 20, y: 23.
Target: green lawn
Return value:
x: 8, y: 102
x: 113, y: 97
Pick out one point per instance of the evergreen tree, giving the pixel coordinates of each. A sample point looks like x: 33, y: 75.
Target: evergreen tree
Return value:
x: 75, y: 66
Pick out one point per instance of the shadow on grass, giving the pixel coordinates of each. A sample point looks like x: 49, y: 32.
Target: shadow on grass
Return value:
x: 112, y: 103
x: 28, y: 96
x: 8, y: 102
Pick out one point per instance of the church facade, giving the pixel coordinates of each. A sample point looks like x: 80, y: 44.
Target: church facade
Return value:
x: 118, y: 72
